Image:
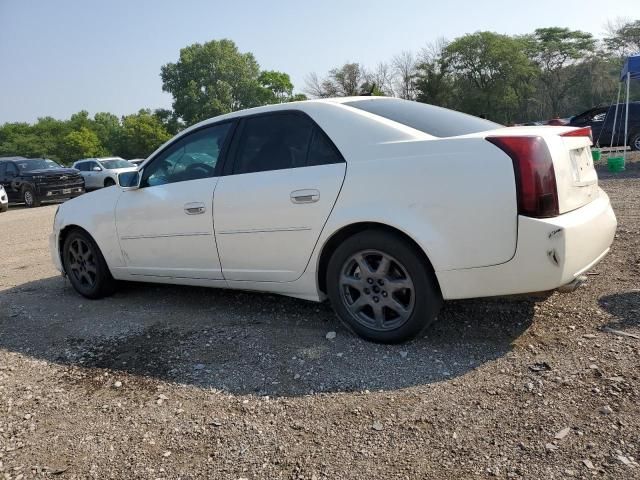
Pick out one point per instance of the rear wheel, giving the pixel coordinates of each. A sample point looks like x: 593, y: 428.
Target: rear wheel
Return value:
x: 380, y: 286
x: 30, y: 198
x: 85, y: 266
x: 109, y: 182
x: 634, y: 141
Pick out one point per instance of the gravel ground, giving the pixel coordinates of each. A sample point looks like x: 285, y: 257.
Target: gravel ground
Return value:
x: 181, y: 382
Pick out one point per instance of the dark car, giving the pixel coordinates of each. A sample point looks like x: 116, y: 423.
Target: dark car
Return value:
x: 600, y: 119
x: 36, y: 180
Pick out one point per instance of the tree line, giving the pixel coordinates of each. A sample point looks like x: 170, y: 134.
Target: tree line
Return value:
x: 550, y: 72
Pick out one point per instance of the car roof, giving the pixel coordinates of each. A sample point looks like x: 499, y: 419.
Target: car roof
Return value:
x: 9, y: 159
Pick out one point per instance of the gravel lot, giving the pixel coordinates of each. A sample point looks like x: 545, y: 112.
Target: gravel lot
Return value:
x: 182, y: 382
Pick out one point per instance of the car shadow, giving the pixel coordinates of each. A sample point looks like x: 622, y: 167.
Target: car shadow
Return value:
x: 624, y: 307
x: 246, y: 343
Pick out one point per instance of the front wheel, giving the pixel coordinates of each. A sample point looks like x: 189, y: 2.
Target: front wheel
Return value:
x: 381, y: 287
x: 634, y: 141
x: 30, y: 198
x: 109, y: 182
x: 85, y: 266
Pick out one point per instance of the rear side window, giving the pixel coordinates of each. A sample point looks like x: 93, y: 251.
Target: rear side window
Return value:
x: 435, y: 121
x: 3, y: 168
x: 273, y: 142
x: 281, y: 141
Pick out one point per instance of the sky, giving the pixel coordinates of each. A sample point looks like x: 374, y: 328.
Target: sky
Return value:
x: 61, y: 56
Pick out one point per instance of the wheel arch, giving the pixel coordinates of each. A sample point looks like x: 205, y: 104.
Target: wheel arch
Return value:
x: 346, y: 231
x: 64, y: 233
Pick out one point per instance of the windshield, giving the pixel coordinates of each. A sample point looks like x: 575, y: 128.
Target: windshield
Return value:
x: 436, y: 121
x: 39, y: 164
x: 117, y: 163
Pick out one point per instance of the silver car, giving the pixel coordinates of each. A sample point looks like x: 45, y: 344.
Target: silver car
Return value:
x: 102, y: 172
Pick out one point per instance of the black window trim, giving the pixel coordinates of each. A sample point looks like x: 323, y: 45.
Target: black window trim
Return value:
x: 223, y: 152
x: 232, y: 158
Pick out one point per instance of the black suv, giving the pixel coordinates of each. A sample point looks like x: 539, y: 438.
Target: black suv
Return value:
x: 600, y: 119
x: 36, y: 180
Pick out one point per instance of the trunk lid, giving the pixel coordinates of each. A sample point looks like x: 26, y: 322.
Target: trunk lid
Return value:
x: 576, y: 176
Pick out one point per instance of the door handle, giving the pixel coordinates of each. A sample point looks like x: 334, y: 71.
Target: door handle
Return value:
x: 305, y: 196
x: 194, y: 208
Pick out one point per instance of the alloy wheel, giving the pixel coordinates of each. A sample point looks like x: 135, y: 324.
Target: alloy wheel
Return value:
x: 28, y: 198
x: 637, y: 143
x: 377, y: 290
x: 82, y: 263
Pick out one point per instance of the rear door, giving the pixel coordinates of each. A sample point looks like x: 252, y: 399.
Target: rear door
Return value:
x: 283, y: 180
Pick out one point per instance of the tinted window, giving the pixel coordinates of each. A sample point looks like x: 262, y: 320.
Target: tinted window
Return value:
x: 3, y: 168
x: 192, y: 157
x: 436, y: 121
x: 11, y: 168
x: 83, y: 167
x: 116, y: 163
x: 273, y: 142
x: 322, y: 151
x: 37, y: 164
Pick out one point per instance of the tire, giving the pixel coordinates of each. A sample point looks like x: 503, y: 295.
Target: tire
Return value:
x: 634, y: 141
x: 30, y: 198
x: 4, y: 208
x: 85, y: 266
x: 109, y: 182
x: 373, y: 307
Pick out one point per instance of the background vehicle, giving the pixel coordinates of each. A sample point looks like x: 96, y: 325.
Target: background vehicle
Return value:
x: 102, y: 172
x: 35, y: 180
x: 136, y: 161
x: 600, y: 119
x: 434, y: 205
x: 4, y: 200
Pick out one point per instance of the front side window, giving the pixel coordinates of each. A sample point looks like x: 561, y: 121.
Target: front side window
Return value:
x: 192, y: 157
x: 273, y: 142
x: 83, y: 167
x: 11, y: 169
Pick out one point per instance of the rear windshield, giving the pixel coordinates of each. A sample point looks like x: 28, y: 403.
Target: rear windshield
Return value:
x: 39, y: 164
x: 436, y: 121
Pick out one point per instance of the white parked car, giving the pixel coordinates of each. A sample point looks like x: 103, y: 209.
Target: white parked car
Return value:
x: 4, y: 200
x: 384, y: 206
x: 102, y: 172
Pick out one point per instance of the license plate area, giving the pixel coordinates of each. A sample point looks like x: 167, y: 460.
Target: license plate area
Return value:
x: 581, y: 164
x: 66, y: 190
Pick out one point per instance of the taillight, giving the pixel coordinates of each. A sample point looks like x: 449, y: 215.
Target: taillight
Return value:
x: 535, y: 177
x: 579, y: 132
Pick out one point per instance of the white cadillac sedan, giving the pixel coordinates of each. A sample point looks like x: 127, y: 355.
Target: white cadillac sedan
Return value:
x: 384, y: 206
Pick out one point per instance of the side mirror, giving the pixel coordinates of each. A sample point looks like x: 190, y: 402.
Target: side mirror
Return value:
x: 129, y: 180
x: 96, y: 169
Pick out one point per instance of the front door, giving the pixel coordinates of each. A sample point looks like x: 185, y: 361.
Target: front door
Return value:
x: 270, y: 209
x: 165, y: 227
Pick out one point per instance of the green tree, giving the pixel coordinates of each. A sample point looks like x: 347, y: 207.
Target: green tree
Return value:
x: 344, y: 81
x: 81, y: 143
x: 493, y: 74
x: 108, y: 129
x: 169, y: 120
x: 142, y: 133
x: 211, y: 79
x: 624, y: 38
x: 553, y: 50
x: 434, y: 81
x: 278, y: 83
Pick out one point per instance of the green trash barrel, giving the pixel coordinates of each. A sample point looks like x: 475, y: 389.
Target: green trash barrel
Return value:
x: 615, y: 164
x: 596, y: 155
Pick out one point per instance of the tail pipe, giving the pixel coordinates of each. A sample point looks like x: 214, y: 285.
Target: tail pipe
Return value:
x: 573, y: 285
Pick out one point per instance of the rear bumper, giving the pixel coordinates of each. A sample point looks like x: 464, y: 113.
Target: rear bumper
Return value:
x: 551, y: 252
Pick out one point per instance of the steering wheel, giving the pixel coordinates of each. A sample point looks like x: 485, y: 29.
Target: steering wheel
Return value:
x: 200, y: 166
